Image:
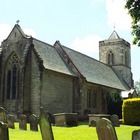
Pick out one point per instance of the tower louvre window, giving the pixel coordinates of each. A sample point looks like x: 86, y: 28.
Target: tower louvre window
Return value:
x: 110, y: 58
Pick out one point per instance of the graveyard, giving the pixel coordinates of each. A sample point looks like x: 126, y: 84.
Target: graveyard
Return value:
x: 65, y: 126
x: 81, y: 132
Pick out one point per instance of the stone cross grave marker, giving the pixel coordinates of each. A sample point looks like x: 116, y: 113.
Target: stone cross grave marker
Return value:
x: 115, y: 120
x: 4, y: 134
x: 33, y: 122
x: 105, y: 130
x: 22, y: 122
x: 45, y: 125
x: 136, y: 135
x: 3, y: 116
x: 10, y: 121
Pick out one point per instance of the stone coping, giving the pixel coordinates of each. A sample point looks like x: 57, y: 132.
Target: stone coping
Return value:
x: 59, y: 114
x: 98, y: 115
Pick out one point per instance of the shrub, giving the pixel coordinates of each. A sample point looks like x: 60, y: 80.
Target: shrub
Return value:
x: 131, y: 111
x: 114, y: 102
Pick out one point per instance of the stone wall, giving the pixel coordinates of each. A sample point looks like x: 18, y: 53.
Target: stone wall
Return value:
x: 57, y: 92
x: 15, y: 44
x: 119, y: 53
x: 35, y: 86
x: 100, y: 98
x: 27, y: 85
x: 122, y: 57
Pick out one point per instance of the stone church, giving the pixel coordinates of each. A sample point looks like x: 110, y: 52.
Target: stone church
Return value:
x: 34, y: 74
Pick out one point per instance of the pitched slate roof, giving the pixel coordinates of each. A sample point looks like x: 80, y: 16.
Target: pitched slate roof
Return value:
x: 94, y: 71
x: 50, y: 57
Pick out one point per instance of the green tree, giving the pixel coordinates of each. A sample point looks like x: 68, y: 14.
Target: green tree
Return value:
x: 133, y: 7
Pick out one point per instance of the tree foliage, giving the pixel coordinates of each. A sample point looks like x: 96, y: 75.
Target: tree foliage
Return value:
x: 133, y: 7
x: 115, y: 104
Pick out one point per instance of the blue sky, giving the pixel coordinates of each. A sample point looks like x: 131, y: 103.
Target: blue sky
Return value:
x: 77, y: 24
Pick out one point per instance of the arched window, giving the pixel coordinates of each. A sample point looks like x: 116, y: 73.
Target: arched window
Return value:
x: 12, y: 77
x: 110, y: 58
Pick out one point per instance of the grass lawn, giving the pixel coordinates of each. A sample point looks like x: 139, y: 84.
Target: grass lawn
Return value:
x: 81, y: 132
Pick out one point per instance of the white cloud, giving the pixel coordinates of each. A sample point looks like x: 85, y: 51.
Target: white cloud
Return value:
x: 88, y: 45
x: 117, y: 14
x: 30, y: 32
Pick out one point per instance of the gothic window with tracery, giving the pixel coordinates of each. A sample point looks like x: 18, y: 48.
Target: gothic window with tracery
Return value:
x: 12, y: 77
x: 110, y: 58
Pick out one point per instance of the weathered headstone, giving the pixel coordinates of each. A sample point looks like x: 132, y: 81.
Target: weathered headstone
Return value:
x: 45, y: 125
x: 22, y: 122
x: 97, y: 117
x: 115, y: 120
x: 10, y: 121
x: 92, y: 123
x: 33, y: 122
x: 4, y: 134
x: 105, y: 130
x: 3, y: 116
x: 136, y: 135
x: 66, y: 119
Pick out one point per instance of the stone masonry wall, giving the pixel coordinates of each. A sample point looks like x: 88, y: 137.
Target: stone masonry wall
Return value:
x: 122, y: 58
x: 57, y: 92
x: 35, y: 86
x: 14, y: 44
x: 119, y: 54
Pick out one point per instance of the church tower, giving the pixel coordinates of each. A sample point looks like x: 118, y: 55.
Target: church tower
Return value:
x: 116, y: 53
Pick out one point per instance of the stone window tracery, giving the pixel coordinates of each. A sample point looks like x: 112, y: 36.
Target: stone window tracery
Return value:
x: 12, y: 77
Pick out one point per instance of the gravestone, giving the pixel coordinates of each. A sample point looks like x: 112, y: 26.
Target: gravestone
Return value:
x: 3, y: 116
x: 92, y: 123
x: 66, y: 119
x: 33, y: 122
x: 115, y: 120
x: 4, y: 134
x: 45, y: 125
x: 105, y: 130
x: 22, y: 122
x: 97, y: 117
x: 136, y: 135
x: 10, y: 121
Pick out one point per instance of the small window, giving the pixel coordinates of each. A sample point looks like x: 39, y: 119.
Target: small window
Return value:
x: 110, y: 58
x: 126, y: 59
x: 91, y: 98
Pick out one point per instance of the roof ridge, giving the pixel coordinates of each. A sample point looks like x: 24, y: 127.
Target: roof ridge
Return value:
x: 42, y: 42
x: 85, y: 55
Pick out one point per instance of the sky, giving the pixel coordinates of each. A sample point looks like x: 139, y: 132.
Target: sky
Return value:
x: 77, y: 24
